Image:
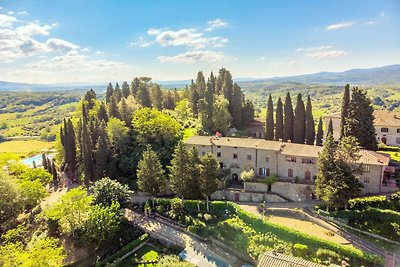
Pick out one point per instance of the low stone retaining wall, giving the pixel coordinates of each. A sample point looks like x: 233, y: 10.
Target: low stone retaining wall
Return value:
x: 292, y: 191
x: 238, y: 195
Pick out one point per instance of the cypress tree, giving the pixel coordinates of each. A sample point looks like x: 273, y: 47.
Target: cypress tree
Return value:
x: 168, y: 102
x: 209, y: 171
x: 143, y: 95
x: 247, y: 112
x: 320, y: 133
x: 102, y: 153
x: 87, y: 157
x: 345, y: 109
x: 194, y: 173
x: 299, y: 124
x: 113, y: 108
x: 117, y: 93
x: 150, y: 174
x: 102, y: 113
x: 135, y: 86
x: 156, y: 96
x: 179, y: 170
x: 194, y: 98
x: 71, y: 143
x: 220, y: 81
x: 54, y: 173
x: 213, y: 82
x: 310, y: 127
x: 90, y: 97
x: 269, y: 134
x: 44, y: 162
x: 125, y: 114
x: 330, y: 128
x: 360, y: 122
x: 279, y: 120
x: 288, y: 120
x: 176, y: 97
x: 237, y: 106
x: 227, y: 89
x: 201, y: 85
x: 109, y: 92
x: 125, y: 90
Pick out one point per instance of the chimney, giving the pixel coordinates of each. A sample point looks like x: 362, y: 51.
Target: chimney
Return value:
x: 280, y: 139
x: 289, y: 141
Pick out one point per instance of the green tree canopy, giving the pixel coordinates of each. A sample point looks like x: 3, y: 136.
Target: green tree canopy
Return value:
x: 106, y: 191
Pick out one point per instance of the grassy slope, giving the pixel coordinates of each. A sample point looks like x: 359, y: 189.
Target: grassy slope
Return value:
x: 23, y: 148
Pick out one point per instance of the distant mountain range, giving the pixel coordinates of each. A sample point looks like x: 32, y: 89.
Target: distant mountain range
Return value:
x: 380, y: 75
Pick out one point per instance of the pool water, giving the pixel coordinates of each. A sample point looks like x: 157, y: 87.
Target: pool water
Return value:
x: 37, y: 159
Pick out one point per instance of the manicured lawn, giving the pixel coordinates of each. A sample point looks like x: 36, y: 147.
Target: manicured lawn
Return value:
x: 145, y: 253
x: 394, y: 152
x: 23, y: 148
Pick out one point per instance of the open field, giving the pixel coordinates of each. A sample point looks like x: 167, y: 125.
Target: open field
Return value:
x: 23, y: 148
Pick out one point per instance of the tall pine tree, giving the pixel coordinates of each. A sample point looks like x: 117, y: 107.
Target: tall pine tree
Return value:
x: 179, y: 171
x: 360, y: 122
x: 150, y: 174
x: 126, y: 91
x: 269, y: 134
x: 299, y: 124
x: 320, y: 133
x: 310, y: 127
x: 288, y: 120
x: 345, y: 109
x: 279, y: 121
x: 237, y: 106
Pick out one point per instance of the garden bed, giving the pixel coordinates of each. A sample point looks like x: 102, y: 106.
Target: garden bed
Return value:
x: 250, y: 235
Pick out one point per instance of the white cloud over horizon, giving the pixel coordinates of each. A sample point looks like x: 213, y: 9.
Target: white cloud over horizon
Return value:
x: 215, y: 24
x: 340, y: 25
x: 322, y: 52
x: 195, y: 56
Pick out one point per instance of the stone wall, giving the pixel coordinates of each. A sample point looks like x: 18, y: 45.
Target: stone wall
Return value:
x: 235, y: 195
x: 292, y: 191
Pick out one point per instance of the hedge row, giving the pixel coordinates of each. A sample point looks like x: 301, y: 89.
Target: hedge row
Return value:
x: 382, y: 202
x: 129, y: 247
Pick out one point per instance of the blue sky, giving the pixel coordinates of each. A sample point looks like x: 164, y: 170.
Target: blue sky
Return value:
x: 100, y: 41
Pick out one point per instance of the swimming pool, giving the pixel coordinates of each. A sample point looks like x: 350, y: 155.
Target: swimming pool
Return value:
x: 37, y: 159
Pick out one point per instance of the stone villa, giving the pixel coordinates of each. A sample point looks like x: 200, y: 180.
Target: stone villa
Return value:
x: 387, y: 126
x: 294, y: 164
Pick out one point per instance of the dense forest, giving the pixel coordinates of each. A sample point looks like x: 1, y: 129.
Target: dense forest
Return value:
x: 107, y: 137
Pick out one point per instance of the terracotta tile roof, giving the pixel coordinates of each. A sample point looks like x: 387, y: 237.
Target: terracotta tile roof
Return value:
x: 271, y: 258
x: 290, y: 149
x: 300, y: 150
x: 382, y: 118
x: 387, y: 118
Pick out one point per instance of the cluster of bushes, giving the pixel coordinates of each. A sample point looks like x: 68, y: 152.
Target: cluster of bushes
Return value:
x: 381, y: 202
x: 248, y: 234
x: 127, y: 248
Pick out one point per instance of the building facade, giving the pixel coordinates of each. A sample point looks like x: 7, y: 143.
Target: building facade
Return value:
x: 295, y: 163
x: 387, y: 126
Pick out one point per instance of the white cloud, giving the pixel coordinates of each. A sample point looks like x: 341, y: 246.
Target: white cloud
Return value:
x: 191, y: 57
x: 23, y: 13
x: 382, y: 14
x: 188, y: 37
x: 10, y: 12
x: 291, y: 63
x: 6, y: 21
x: 216, y: 23
x: 85, y: 49
x: 327, y: 54
x: 262, y: 58
x: 318, y: 48
x: 322, y: 52
x: 35, y: 29
x: 55, y: 44
x: 369, y: 23
x: 338, y: 26
x: 98, y: 52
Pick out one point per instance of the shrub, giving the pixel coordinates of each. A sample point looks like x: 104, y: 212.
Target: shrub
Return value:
x: 207, y: 217
x: 328, y: 256
x: 368, y: 202
x: 124, y: 250
x: 247, y: 176
x: 106, y: 191
x: 300, y: 250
